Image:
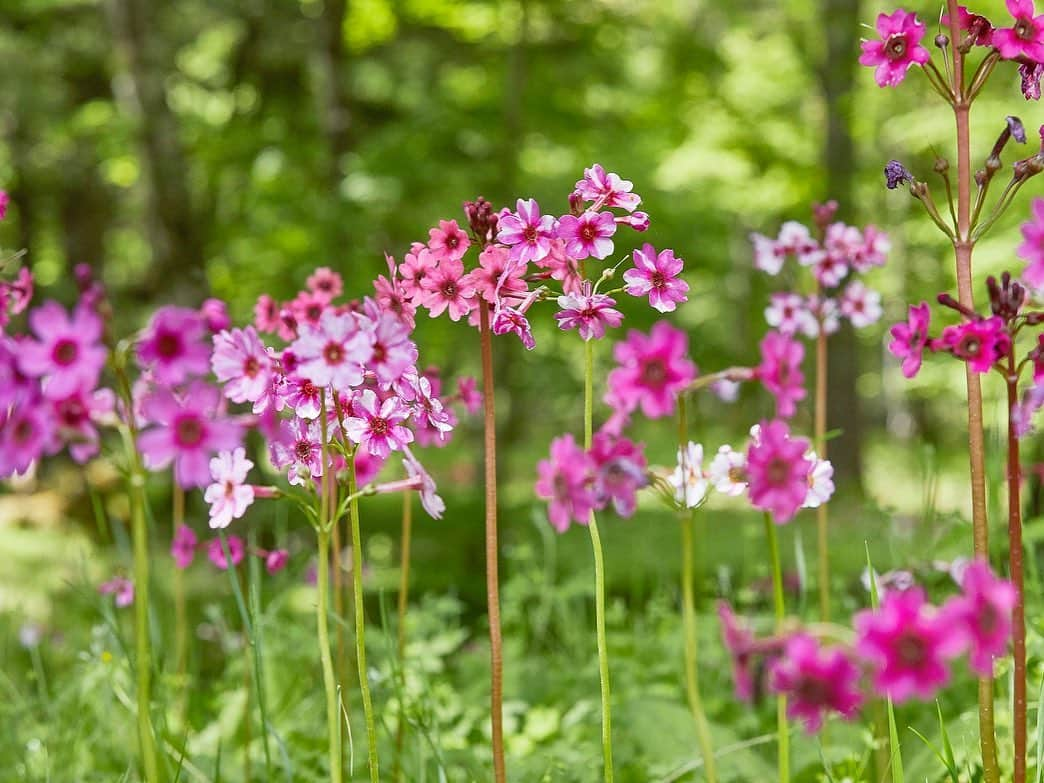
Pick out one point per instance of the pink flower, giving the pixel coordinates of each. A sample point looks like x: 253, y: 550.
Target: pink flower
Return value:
x: 740, y: 643
x: 469, y: 395
x: 430, y: 500
x: 777, y: 471
x: 908, y: 643
x: 19, y: 292
x: 899, y: 47
x: 445, y: 288
x: 527, y: 232
x: 653, y: 370
x: 1032, y: 247
x: 780, y: 371
x: 172, y: 345
x: 970, y: 23
x: 266, y: 314
x: 25, y: 433
x: 985, y: 613
x: 795, y: 239
x: 607, y: 190
x: 1030, y: 80
x: 392, y: 297
x: 657, y: 276
x: 430, y: 415
x: 75, y: 418
x: 873, y: 251
x: 816, y: 681
x: 981, y: 343
x: 909, y: 339
x: 619, y: 472
x: 497, y: 276
x: 587, y: 235
x: 448, y: 241
x: 241, y: 362
x: 333, y: 353
x: 300, y: 449
x: 566, y: 480
x: 308, y: 308
x: 508, y: 319
x: 861, y: 305
x: 216, y: 552
x: 769, y: 255
x: 414, y: 269
x: 5, y: 201
x: 728, y: 471
x: 378, y: 429
x: 186, y: 432
x: 325, y: 283
x: 214, y: 313
x: 229, y: 496
x: 393, y: 351
x: 303, y: 396
x: 183, y: 546
x: 588, y: 313
x: 276, y: 560
x: 788, y: 313
x: 67, y: 354
x: 1025, y: 37
x: 122, y: 588
x: 562, y: 267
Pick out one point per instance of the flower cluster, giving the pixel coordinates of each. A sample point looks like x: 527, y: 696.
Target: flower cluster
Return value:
x: 186, y: 543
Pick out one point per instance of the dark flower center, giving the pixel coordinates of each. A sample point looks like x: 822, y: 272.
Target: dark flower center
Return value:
x: 988, y: 619
x: 303, y: 450
x: 379, y: 426
x: 380, y: 352
x: 313, y: 312
x: 658, y: 280
x: 251, y: 367
x: 777, y: 470
x: 452, y: 241
x: 1024, y: 29
x: 23, y: 431
x: 588, y: 233
x: 969, y: 346
x: 72, y: 412
x: 168, y: 345
x: 654, y: 372
x: 189, y: 431
x: 911, y: 650
x: 308, y: 389
x: 895, y: 49
x: 333, y: 353
x: 813, y: 690
x: 449, y: 289
x: 530, y: 234
x: 65, y: 352
x: 738, y: 475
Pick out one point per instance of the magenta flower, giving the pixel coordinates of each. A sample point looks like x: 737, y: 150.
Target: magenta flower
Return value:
x: 266, y: 314
x: 619, y: 472
x: 392, y: 297
x: 430, y: 500
x: 333, y: 353
x: 909, y: 339
x: 985, y: 612
x: 509, y: 319
x: 16, y: 295
x: 120, y: 587
x: 899, y: 47
x: 186, y: 432
x: 75, y: 418
x: 1025, y: 38
x: 448, y: 241
x: 527, y: 232
x: 587, y: 235
x: 215, y: 315
x: 276, y: 560
x: 497, y: 276
x: 780, y: 371
x: 414, y: 270
x: 467, y: 392
x: 183, y: 546
x: 566, y: 481
x: 607, y: 190
x: 379, y: 429
x: 588, y: 313
x: 307, y: 308
x: 229, y: 496
x: 777, y: 471
x: 740, y: 643
x: 971, y: 23
x: 216, y: 553
x: 241, y: 362
x: 325, y: 283
x: 5, y: 201
x: 445, y: 288
x: 816, y: 681
x: 172, y: 345
x: 299, y: 448
x: 1032, y: 247
x: 562, y: 267
x: 908, y: 643
x: 653, y: 370
x: 67, y: 354
x: 981, y: 343
x: 657, y: 276
x: 1030, y: 75
x: 25, y: 433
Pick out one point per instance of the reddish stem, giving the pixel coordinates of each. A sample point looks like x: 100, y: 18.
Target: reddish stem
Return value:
x: 1015, y: 564
x: 492, y: 579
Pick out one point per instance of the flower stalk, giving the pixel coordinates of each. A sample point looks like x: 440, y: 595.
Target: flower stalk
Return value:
x: 819, y: 427
x: 1015, y: 555
x: 779, y: 611
x: 404, y: 597
x: 180, y: 614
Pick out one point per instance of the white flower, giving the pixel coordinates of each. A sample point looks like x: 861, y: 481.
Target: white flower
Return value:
x: 820, y: 481
x: 768, y: 256
x: 861, y: 305
x: 788, y: 313
x: 229, y: 496
x: 728, y: 471
x: 690, y: 485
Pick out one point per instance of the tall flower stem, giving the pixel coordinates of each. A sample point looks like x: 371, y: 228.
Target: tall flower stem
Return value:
x: 692, y: 682
x: 822, y: 514
x: 599, y: 568
x: 779, y: 610
x: 404, y: 597
x: 963, y: 245
x: 360, y: 623
x: 180, y: 613
x: 1015, y: 562
x: 338, y: 601
x: 496, y: 674
x: 333, y: 717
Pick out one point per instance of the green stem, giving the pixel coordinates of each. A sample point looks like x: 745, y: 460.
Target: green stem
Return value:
x: 779, y: 609
x: 599, y: 568
x: 360, y: 622
x: 143, y: 657
x: 404, y: 590
x: 333, y: 719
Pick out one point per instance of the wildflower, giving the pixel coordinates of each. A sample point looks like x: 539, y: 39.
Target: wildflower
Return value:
x: 896, y: 174
x: 657, y: 276
x: 974, y: 24
x: 215, y: 316
x: 562, y: 267
x: 183, y: 546
x: 325, y: 283
x: 826, y: 314
x: 619, y: 471
x: 469, y: 395
x: 19, y: 292
x: 653, y: 370
x: 229, y: 496
x: 241, y: 362
x: 276, y: 560
x: 588, y: 313
x: 1030, y: 74
x: 445, y: 288
x: 820, y: 481
x: 430, y: 500
x: 430, y: 415
x: 509, y: 319
x: 690, y: 485
x: 728, y: 471
x: 908, y: 643
x: 607, y: 190
x: 769, y: 255
x: 414, y: 269
x: 186, y: 432
x: 795, y: 239
x: 216, y: 552
x: 566, y: 481
x: 740, y: 644
x: 898, y: 49
x: 333, y: 352
x: 392, y: 297
x: 448, y: 241
x: 816, y: 681
x: 67, y: 354
x: 378, y: 428
x: 872, y: 252
x: 75, y: 417
x: 981, y: 343
x: 588, y: 234
x: 909, y: 339
x: 780, y: 371
x: 1025, y: 38
x: 985, y: 612
x: 788, y: 314
x: 393, y: 351
x: 526, y: 232
x: 778, y: 471
x: 1032, y: 247
x: 497, y: 276
x: 266, y: 314
x: 172, y: 345
x: 861, y: 305
x: 5, y: 201
x: 307, y: 308
x: 120, y: 587
x: 25, y: 433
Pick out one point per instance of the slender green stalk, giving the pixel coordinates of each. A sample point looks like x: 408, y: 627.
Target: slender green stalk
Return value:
x: 333, y: 718
x: 779, y: 608
x: 180, y: 613
x: 404, y: 593
x: 360, y: 623
x: 599, y: 567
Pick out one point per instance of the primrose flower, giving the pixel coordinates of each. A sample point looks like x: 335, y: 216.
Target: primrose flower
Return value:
x: 25, y: 432
x: 67, y: 354
x: 446, y: 288
x: 75, y: 418
x: 861, y: 305
x: 1025, y: 38
x: 216, y: 553
x: 241, y: 362
x: 229, y: 496
x: 588, y: 313
x: 120, y: 587
x: 378, y: 428
x: 688, y: 481
x: 325, y: 283
x: 780, y: 371
x: 653, y: 369
x: 898, y: 48
x: 769, y: 255
x: 985, y: 612
x: 414, y: 270
x: 816, y: 681
x: 429, y: 498
x: 172, y: 345
x: 656, y: 275
x: 727, y: 472
x: 448, y: 241
x: 587, y: 235
x: 566, y: 480
x: 788, y: 314
x: 276, y: 560
x: 496, y: 276
x: 333, y: 352
x: 527, y: 232
x: 778, y: 471
x: 820, y: 481
x: 981, y: 343
x: 1032, y: 247
x: 607, y: 189
x: 183, y: 546
x: 909, y: 339
x: 619, y: 471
